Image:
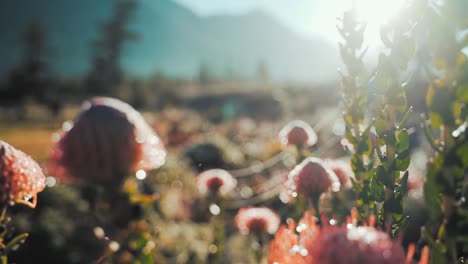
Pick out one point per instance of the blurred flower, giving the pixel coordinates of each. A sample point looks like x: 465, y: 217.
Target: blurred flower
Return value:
x: 329, y: 244
x: 343, y: 171
x: 21, y: 178
x: 311, y: 178
x: 353, y: 245
x: 298, y: 133
x: 108, y: 141
x: 286, y: 247
x: 216, y: 181
x: 257, y: 220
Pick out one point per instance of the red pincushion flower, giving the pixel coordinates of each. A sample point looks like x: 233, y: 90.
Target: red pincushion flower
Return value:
x: 108, y: 141
x: 343, y: 171
x: 311, y: 178
x: 21, y: 178
x: 298, y: 133
x: 257, y: 220
x: 216, y: 181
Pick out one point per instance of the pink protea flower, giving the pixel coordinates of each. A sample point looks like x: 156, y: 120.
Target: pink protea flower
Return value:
x: 311, y: 178
x: 343, y: 171
x: 298, y: 133
x: 257, y: 220
x: 216, y: 181
x: 353, y: 245
x: 308, y: 243
x: 108, y: 141
x: 21, y: 178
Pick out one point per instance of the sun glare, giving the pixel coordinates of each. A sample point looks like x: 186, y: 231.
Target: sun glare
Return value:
x: 378, y: 12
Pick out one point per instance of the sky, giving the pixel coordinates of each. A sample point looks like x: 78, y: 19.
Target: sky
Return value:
x: 306, y: 17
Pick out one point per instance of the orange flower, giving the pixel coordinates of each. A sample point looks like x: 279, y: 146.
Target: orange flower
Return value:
x: 298, y: 133
x: 257, y: 220
x: 109, y: 141
x: 286, y: 247
x: 21, y: 178
x: 307, y: 243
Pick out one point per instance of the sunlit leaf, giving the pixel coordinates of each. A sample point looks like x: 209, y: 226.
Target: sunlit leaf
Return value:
x: 403, y: 141
x: 436, y: 119
x: 462, y: 93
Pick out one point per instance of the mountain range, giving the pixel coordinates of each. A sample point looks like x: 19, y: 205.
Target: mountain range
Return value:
x: 173, y: 41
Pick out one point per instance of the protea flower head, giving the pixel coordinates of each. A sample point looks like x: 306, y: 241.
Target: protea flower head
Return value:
x: 343, y: 171
x: 216, y: 181
x: 298, y: 133
x: 353, y: 245
x: 257, y: 220
x: 21, y: 178
x: 108, y: 141
x: 308, y: 243
x: 311, y: 178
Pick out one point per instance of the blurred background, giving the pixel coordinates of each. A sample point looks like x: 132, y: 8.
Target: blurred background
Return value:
x: 216, y: 80
x: 223, y: 59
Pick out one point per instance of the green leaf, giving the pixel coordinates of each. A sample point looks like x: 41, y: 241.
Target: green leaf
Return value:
x: 403, y: 141
x: 402, y: 161
x: 380, y: 126
x: 382, y: 176
x: 363, y: 146
x: 437, y: 254
x: 406, y: 117
x: 436, y: 119
x: 432, y: 197
x: 462, y: 93
x: 401, y: 188
x: 462, y: 153
x: 397, y: 100
x: 17, y: 241
x: 395, y: 206
x: 430, y: 137
x: 430, y: 95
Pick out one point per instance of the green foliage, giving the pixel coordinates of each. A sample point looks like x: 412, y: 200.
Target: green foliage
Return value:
x: 377, y: 172
x: 445, y: 130
x: 8, y: 242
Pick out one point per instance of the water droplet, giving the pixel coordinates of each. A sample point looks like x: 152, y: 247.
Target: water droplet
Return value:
x: 295, y: 249
x: 67, y: 125
x: 50, y: 181
x: 284, y: 197
x: 55, y: 137
x: 246, y: 192
x: 114, y: 246
x: 154, y: 140
x: 141, y: 174
x: 339, y: 127
x: 98, y: 232
x: 140, y: 139
x: 212, y: 249
x: 214, y: 209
